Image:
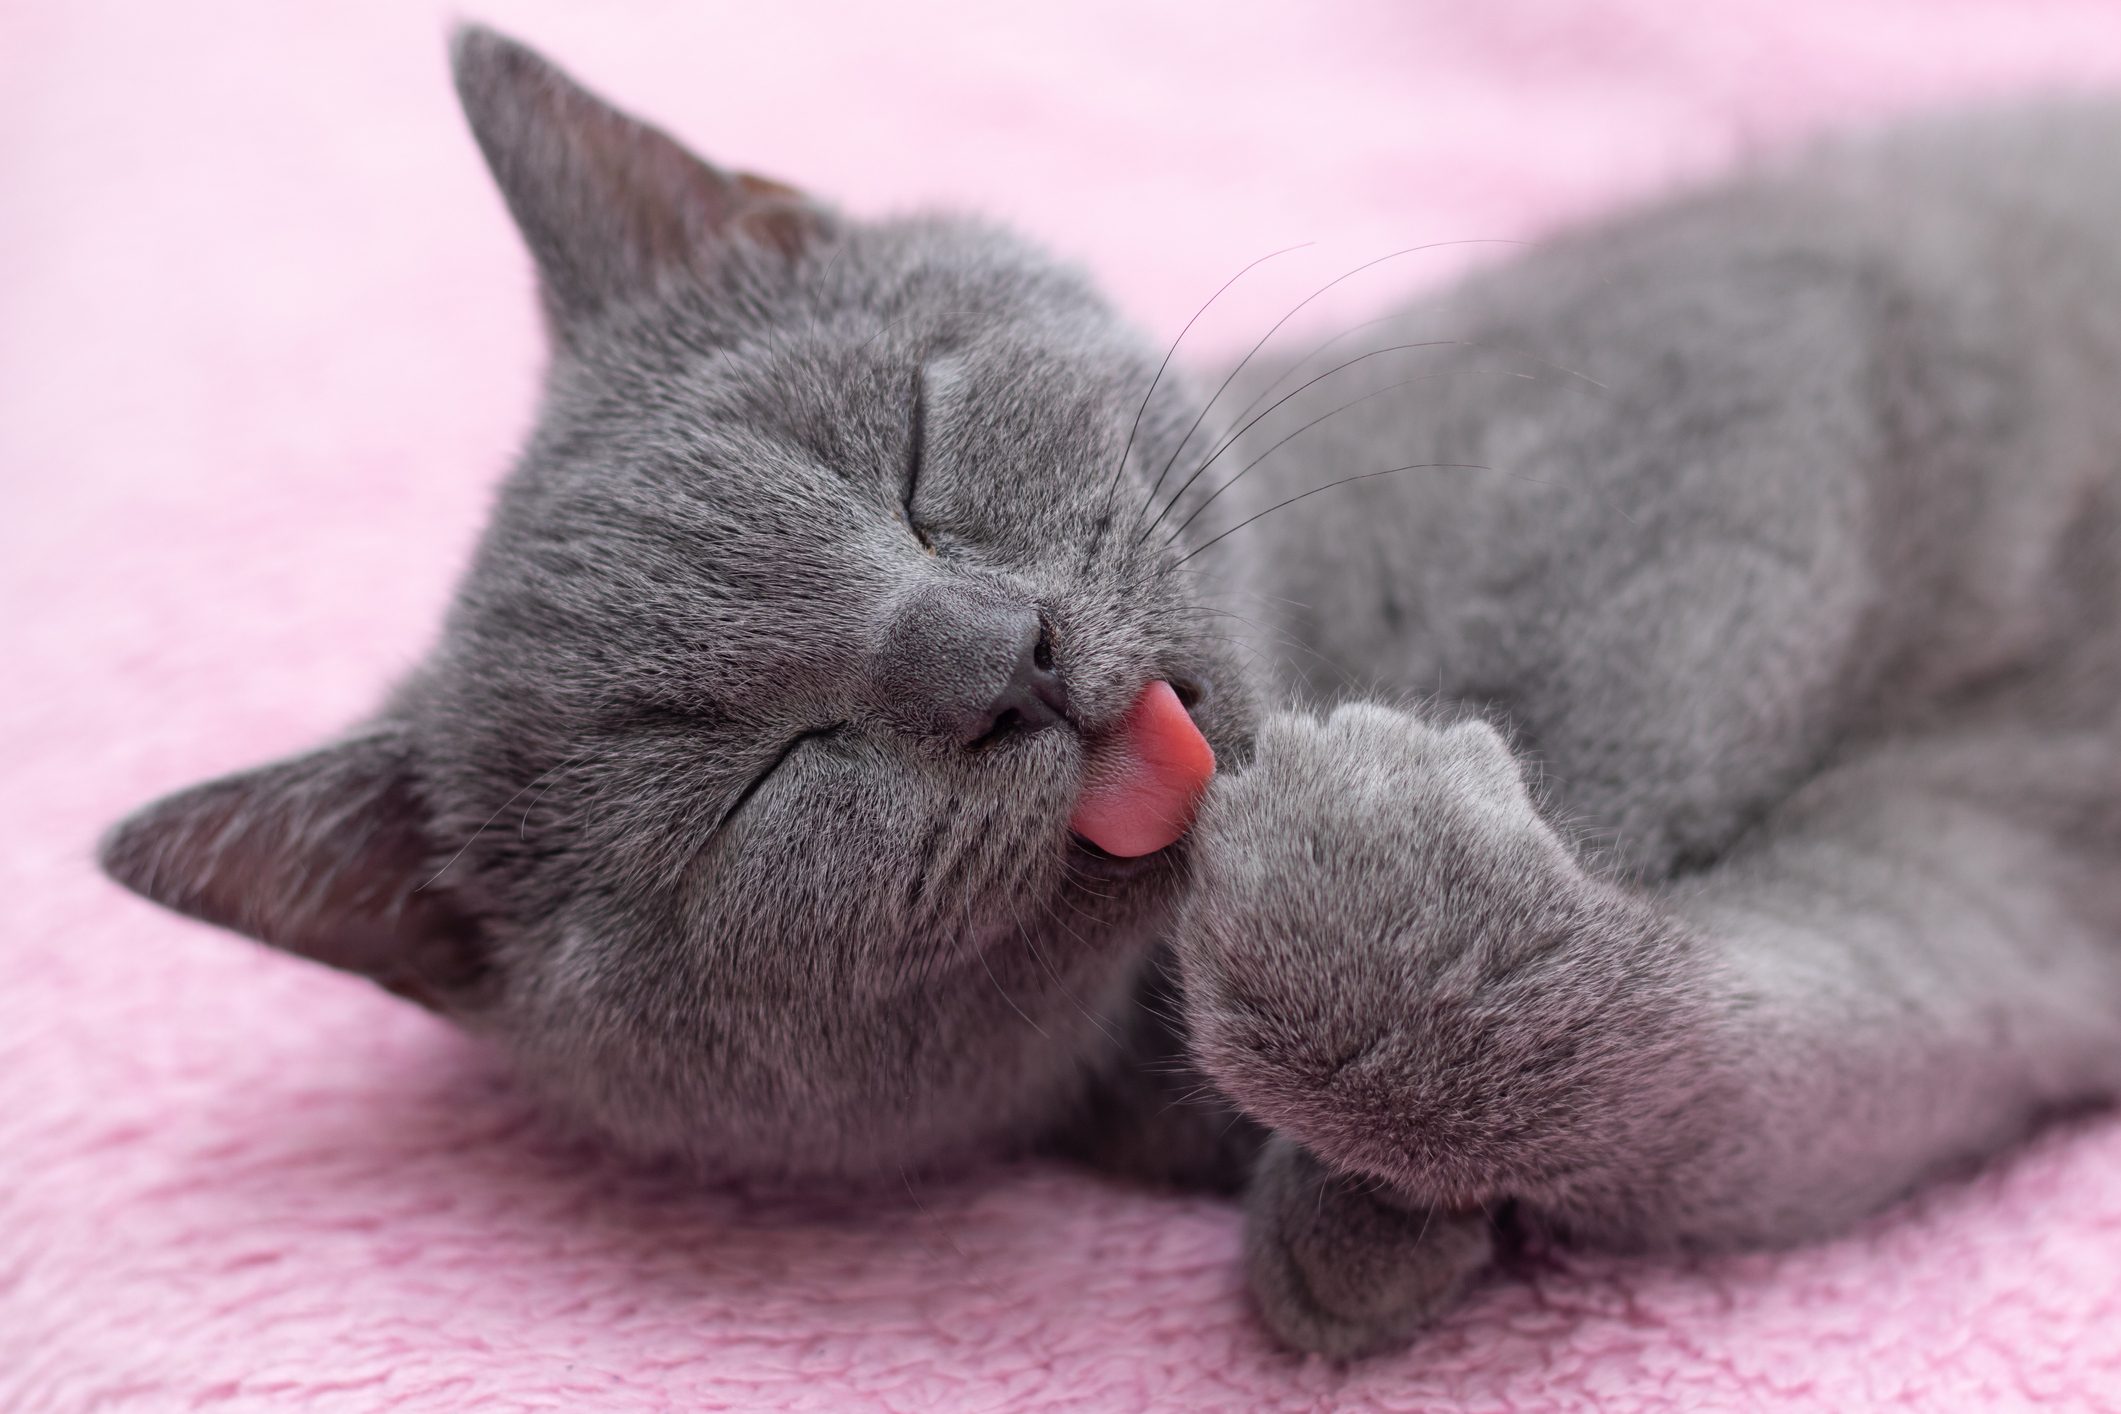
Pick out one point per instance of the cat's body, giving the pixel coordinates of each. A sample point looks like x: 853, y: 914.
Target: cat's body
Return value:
x: 1848, y: 421
x: 1779, y: 529
x: 1805, y: 619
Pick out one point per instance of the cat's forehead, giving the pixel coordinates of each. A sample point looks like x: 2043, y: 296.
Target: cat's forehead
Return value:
x: 832, y: 402
x: 743, y: 542
x: 838, y: 378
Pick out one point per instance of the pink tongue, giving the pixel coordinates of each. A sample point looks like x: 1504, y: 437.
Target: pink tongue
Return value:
x: 1144, y: 780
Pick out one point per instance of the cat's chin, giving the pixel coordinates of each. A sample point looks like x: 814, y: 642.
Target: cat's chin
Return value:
x: 1086, y: 860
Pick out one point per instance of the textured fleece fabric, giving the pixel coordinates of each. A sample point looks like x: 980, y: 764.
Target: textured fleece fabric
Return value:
x: 265, y: 341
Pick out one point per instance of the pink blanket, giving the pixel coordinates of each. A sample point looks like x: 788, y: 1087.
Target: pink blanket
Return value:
x: 265, y: 341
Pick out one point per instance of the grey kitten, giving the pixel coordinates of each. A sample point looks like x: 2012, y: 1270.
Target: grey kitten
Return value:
x: 1751, y: 857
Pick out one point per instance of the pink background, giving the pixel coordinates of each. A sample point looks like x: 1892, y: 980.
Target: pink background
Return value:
x: 266, y: 341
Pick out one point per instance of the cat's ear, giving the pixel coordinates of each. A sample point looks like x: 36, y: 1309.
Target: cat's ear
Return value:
x: 326, y: 855
x: 610, y: 206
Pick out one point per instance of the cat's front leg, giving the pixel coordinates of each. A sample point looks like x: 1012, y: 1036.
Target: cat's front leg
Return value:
x: 1392, y: 960
x: 1391, y: 957
x: 1343, y: 1265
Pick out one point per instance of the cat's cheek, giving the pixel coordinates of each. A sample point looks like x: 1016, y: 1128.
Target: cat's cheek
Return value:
x: 815, y: 841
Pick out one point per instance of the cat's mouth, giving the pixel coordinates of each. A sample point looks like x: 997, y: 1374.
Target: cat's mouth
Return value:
x: 1088, y: 861
x: 1142, y: 781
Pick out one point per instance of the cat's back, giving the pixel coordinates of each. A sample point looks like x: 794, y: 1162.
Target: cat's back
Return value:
x: 2055, y: 161
x: 1889, y: 358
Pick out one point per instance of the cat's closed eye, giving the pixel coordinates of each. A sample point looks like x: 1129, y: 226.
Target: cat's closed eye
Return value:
x: 779, y: 760
x: 916, y: 452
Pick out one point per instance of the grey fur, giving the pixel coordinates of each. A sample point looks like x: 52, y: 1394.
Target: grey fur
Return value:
x: 1794, y: 586
x: 1750, y: 857
x: 890, y: 957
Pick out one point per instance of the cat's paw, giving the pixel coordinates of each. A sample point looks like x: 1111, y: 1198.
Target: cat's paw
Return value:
x: 1340, y: 1270
x: 1391, y: 957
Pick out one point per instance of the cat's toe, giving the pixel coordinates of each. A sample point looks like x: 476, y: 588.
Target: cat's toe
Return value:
x: 1339, y: 1271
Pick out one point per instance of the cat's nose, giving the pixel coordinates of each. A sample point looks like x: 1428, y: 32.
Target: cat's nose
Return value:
x: 1034, y: 698
x: 971, y: 663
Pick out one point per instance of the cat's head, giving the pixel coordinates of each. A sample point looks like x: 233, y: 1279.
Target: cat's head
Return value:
x: 734, y: 797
